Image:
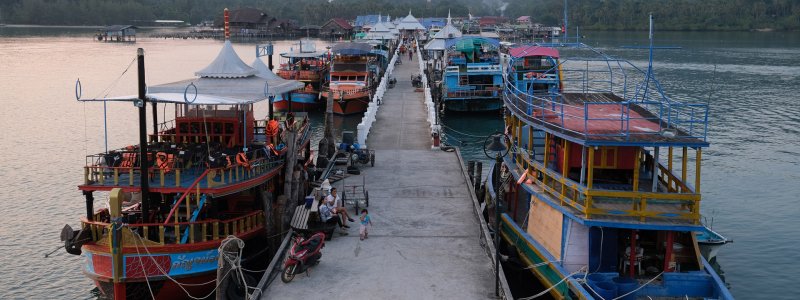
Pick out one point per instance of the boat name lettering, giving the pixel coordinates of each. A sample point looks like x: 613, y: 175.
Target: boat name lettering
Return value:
x: 187, y: 263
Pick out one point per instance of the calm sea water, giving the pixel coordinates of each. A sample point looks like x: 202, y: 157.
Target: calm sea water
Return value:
x: 750, y: 182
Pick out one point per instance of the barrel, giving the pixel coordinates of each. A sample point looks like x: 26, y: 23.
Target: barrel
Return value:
x: 604, y: 289
x: 626, y: 285
x: 595, y: 278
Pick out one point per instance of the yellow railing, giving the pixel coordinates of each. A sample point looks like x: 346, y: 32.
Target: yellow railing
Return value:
x: 679, y: 203
x: 200, y: 231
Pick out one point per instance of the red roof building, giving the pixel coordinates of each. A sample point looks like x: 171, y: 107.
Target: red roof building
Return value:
x: 337, y: 27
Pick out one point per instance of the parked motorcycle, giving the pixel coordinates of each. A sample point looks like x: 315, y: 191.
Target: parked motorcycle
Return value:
x: 416, y: 80
x: 305, y: 253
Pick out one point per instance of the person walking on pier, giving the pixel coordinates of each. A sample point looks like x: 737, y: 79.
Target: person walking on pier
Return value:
x: 410, y: 55
x: 365, y: 221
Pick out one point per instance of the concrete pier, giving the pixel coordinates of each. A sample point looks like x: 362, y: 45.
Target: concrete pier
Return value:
x: 426, y: 242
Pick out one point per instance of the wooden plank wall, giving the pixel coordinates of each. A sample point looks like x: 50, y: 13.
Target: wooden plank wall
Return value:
x: 545, y: 226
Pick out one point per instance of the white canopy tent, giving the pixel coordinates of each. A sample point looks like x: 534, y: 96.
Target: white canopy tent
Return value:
x: 410, y: 23
x: 225, y: 81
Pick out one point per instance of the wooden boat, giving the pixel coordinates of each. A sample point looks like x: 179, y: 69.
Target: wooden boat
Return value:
x: 211, y: 172
x: 597, y: 200
x: 308, y: 66
x: 710, y: 242
x: 473, y: 78
x: 352, y: 78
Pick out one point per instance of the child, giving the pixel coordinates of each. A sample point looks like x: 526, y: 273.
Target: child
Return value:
x: 364, y: 222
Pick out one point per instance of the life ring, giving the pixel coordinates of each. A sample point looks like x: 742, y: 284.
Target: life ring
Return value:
x: 241, y: 159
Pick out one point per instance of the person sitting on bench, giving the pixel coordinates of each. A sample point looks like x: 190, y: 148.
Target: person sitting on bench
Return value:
x: 337, y: 207
x: 329, y: 217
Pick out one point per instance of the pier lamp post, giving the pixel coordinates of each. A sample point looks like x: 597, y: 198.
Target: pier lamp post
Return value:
x: 497, y: 145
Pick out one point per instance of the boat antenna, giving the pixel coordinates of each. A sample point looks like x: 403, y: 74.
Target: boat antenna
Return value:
x: 713, y: 84
x: 650, y: 61
x: 566, y: 31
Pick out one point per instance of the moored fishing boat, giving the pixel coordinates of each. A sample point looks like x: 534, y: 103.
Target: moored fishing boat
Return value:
x: 351, y: 77
x: 710, y: 242
x: 473, y: 79
x: 308, y: 66
x: 598, y: 196
x: 209, y: 174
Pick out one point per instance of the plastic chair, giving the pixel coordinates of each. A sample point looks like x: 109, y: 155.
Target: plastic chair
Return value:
x: 626, y: 260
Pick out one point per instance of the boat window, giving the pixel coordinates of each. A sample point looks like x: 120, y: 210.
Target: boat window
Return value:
x: 362, y: 78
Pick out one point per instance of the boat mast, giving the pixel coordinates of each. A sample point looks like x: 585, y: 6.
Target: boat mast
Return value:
x: 143, y: 164
x: 566, y: 30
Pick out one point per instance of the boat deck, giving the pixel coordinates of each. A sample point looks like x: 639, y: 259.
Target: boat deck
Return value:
x: 605, y: 117
x: 425, y: 242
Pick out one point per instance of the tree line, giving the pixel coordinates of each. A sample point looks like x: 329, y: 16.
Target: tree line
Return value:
x: 588, y: 14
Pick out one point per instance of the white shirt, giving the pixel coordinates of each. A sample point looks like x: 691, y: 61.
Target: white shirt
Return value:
x: 337, y: 202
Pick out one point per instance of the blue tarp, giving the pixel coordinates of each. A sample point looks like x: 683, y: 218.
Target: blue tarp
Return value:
x: 351, y: 48
x: 473, y: 39
x: 383, y: 53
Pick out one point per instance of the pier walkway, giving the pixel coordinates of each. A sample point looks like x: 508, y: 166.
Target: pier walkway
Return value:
x: 426, y: 238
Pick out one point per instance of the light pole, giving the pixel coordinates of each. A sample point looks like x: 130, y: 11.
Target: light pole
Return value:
x: 501, y: 150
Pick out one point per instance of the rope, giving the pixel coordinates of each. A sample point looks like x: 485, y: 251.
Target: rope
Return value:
x: 114, y: 83
x: 554, y: 286
x: 181, y: 285
x: 640, y: 287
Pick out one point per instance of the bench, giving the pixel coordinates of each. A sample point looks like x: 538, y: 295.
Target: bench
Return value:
x: 307, y: 220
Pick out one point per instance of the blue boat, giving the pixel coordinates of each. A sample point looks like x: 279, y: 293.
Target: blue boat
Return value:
x: 599, y: 196
x: 710, y: 242
x: 473, y: 78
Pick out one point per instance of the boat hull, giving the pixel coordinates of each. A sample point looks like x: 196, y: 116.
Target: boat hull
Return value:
x: 149, y: 267
x: 473, y: 105
x: 301, y: 101
x: 354, y: 103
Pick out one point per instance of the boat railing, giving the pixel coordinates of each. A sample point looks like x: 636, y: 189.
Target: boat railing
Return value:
x: 174, y: 172
x: 473, y: 91
x: 170, y: 234
x: 679, y: 202
x: 299, y: 74
x: 347, y: 92
x: 685, y: 120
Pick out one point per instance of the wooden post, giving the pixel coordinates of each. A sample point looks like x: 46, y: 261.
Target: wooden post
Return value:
x: 636, y: 167
x: 684, y: 159
x: 632, y: 254
x: 668, y: 257
x: 697, y: 170
x: 229, y: 251
x: 589, y: 179
x: 115, y: 212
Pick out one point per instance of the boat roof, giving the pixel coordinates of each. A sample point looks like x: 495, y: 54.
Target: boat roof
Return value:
x: 471, y: 40
x: 299, y: 54
x: 533, y: 50
x: 226, y: 81
x: 351, y: 48
x: 227, y: 64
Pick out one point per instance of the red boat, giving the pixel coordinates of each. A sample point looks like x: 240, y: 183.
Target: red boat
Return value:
x: 209, y: 174
x: 307, y: 66
x: 351, y: 78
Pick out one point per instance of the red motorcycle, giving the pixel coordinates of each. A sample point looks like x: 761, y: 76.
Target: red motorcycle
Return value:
x: 305, y: 253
